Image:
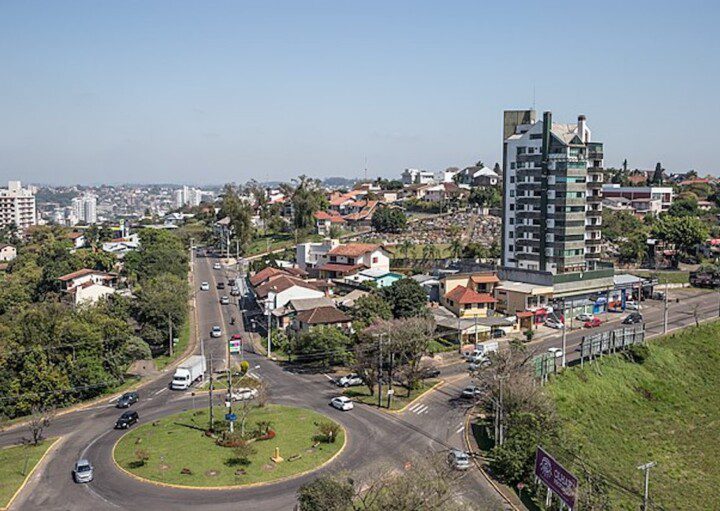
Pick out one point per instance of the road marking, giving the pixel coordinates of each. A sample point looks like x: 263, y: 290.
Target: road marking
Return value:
x: 460, y: 429
x: 159, y: 391
x: 329, y: 377
x: 413, y: 407
x: 421, y: 409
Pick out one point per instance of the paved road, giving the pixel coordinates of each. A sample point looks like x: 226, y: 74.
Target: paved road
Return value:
x: 374, y: 438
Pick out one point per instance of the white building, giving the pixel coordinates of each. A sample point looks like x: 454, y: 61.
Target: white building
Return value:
x: 17, y: 206
x: 308, y: 255
x: 644, y: 199
x: 7, y: 252
x: 417, y: 177
x: 85, y: 209
x: 189, y: 196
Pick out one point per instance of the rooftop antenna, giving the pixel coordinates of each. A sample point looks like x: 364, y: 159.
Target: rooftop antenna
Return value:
x: 533, y: 97
x: 365, y: 168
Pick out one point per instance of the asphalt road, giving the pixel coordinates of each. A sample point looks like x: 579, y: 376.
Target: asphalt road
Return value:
x: 375, y: 439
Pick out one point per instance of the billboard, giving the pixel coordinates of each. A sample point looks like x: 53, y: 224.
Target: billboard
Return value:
x: 560, y: 481
x: 234, y: 345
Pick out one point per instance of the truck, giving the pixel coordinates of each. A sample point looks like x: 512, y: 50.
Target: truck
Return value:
x: 192, y: 369
x: 482, y: 349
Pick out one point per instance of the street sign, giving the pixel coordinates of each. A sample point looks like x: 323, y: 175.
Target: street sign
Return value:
x: 561, y: 482
x: 230, y: 417
x: 234, y: 345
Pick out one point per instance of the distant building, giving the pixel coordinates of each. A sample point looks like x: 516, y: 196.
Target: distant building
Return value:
x: 351, y: 258
x: 17, y: 206
x: 417, y: 177
x: 478, y: 175
x: 643, y: 199
x: 189, y: 196
x: 7, y: 252
x: 87, y: 286
x: 85, y: 209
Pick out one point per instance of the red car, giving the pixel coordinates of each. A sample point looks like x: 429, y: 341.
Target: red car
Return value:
x: 237, y: 337
x: 594, y: 322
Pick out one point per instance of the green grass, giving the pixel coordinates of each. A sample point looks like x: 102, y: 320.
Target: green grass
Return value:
x: 15, y: 464
x: 619, y: 414
x: 183, y: 339
x: 665, y: 277
x: 178, y: 442
x: 401, y: 398
x: 441, y: 345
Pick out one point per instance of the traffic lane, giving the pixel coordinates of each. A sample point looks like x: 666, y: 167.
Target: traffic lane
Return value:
x: 210, y: 314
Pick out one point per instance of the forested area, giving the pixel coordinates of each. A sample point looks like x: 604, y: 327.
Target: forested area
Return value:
x: 53, y: 353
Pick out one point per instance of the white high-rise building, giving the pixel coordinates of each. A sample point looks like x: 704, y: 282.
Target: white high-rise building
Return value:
x: 85, y: 209
x: 187, y: 196
x: 17, y: 206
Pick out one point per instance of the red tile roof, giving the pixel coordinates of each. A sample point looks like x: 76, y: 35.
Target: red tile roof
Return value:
x: 464, y: 295
x: 265, y: 274
x: 75, y: 235
x: 82, y: 273
x: 353, y: 249
x: 484, y: 279
x: 323, y: 316
x: 280, y: 283
x: 341, y: 268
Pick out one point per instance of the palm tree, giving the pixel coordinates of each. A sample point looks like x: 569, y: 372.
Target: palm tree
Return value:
x: 456, y: 248
x: 429, y: 252
x: 406, y: 246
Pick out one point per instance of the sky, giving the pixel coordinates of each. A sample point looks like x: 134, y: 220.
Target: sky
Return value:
x: 207, y: 92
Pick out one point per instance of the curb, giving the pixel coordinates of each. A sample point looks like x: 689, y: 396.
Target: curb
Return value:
x: 230, y: 487
x: 482, y: 471
x: 30, y: 474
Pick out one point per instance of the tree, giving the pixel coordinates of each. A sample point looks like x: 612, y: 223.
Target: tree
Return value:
x: 456, y: 248
x: 687, y: 206
x: 368, y: 309
x: 326, y: 493
x: 240, y: 215
x: 486, y: 196
x: 162, y: 303
x: 39, y: 421
x: 618, y: 224
x: 327, y: 344
x: 657, y: 178
x: 405, y: 247
x: 243, y: 452
x: 683, y: 232
x: 307, y: 198
x: 386, y: 219
x: 633, y: 248
x: 406, y: 297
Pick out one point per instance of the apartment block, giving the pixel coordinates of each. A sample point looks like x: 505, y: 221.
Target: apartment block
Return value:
x: 85, y: 209
x: 17, y: 206
x: 552, y: 203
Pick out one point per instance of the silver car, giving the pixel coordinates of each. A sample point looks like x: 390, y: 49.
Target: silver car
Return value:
x: 83, y: 471
x: 459, y: 460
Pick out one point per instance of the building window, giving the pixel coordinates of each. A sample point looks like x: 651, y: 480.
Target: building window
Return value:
x: 512, y: 165
x: 375, y: 260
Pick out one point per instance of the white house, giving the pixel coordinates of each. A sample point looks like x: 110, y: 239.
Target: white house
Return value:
x: 417, y: 177
x: 307, y: 255
x: 78, y: 239
x: 88, y: 286
x: 278, y: 290
x: 7, y: 252
x: 348, y: 259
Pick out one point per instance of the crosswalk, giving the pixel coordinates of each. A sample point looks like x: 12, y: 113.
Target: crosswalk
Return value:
x: 419, y: 408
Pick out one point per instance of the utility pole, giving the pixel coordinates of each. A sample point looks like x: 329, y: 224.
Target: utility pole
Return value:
x: 564, y: 335
x: 379, y: 370
x: 229, y: 377
x: 646, y: 468
x: 665, y: 311
x: 210, y: 403
x: 390, y: 391
x: 170, y: 340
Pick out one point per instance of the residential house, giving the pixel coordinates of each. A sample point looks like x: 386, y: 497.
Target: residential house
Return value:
x: 430, y: 284
x: 348, y: 259
x: 417, y: 177
x: 643, y: 199
x: 322, y: 317
x: 444, y: 192
x: 7, y: 252
x: 77, y: 239
x: 88, y: 286
x: 469, y: 295
x: 308, y: 255
x: 478, y: 175
x: 277, y: 291
x: 284, y: 316
x: 379, y: 277
x: 325, y: 221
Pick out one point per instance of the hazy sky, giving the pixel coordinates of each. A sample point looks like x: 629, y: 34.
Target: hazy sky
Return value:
x: 211, y: 91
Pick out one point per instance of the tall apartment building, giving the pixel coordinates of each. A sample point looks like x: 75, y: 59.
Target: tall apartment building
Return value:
x: 17, y: 206
x: 552, y: 203
x: 85, y: 209
x: 188, y: 196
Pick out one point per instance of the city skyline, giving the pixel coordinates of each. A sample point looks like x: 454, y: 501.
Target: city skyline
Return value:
x: 118, y: 94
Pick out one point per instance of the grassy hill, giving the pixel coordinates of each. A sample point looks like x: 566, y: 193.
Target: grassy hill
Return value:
x: 621, y: 414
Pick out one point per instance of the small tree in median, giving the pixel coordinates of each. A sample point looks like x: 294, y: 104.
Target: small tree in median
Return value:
x: 40, y: 420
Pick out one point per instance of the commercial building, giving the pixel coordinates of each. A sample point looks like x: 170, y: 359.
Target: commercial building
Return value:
x: 552, y: 203
x: 17, y: 206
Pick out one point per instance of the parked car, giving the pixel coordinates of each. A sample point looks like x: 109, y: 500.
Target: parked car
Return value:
x: 556, y: 352
x: 126, y: 420
x: 471, y: 391
x: 216, y: 331
x: 350, y: 380
x: 632, y: 318
x: 498, y: 333
x: 235, y: 291
x: 459, y: 460
x: 231, y: 282
x: 658, y: 295
x: 221, y: 285
x: 216, y: 266
x: 595, y: 322
x: 342, y: 403
x: 430, y: 372
x: 82, y: 471
x: 554, y: 323
x: 204, y: 286
x: 127, y: 399
x: 478, y: 362
x: 237, y: 337
x: 224, y: 300
x: 585, y: 316
x: 631, y: 305
x: 243, y: 394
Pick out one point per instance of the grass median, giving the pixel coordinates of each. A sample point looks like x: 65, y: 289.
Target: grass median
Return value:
x: 176, y: 450
x: 16, y: 463
x: 401, y: 397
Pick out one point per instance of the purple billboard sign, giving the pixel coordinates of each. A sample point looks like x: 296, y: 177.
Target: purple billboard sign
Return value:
x: 560, y: 481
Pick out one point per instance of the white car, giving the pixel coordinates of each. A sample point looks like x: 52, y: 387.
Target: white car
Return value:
x: 459, y: 460
x: 342, y: 403
x: 471, y: 391
x: 216, y: 331
x: 556, y: 352
x: 224, y: 300
x: 350, y: 380
x: 205, y: 286
x: 584, y: 317
x: 216, y: 266
x: 243, y: 394
x: 554, y: 323
x: 631, y: 305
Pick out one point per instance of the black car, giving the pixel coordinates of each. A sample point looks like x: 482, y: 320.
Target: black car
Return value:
x: 633, y: 318
x: 221, y: 285
x: 430, y: 372
x: 126, y: 420
x: 127, y: 399
x: 497, y: 333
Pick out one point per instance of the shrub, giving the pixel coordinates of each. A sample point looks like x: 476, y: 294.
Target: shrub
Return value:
x: 638, y: 353
x: 142, y: 456
x: 529, y: 334
x: 244, y: 366
x: 328, y: 431
x: 228, y: 439
x: 243, y: 452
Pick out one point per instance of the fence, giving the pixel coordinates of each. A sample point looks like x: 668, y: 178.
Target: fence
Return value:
x: 612, y: 341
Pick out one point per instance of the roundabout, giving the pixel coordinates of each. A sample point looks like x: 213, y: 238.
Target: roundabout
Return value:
x: 175, y: 450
